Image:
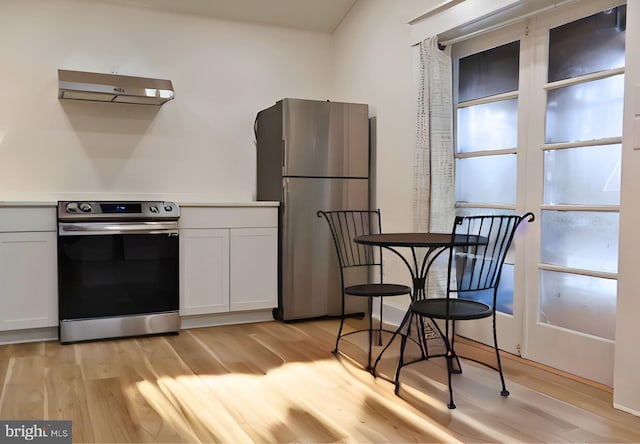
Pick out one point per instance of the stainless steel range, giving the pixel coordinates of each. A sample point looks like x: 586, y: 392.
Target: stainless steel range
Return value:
x: 117, y: 269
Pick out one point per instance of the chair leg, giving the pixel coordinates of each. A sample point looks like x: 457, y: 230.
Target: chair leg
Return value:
x: 450, y: 370
x: 405, y: 319
x: 396, y: 378
x: 408, y: 317
x: 457, y: 368
x: 424, y: 346
x: 335, y: 350
x: 504, y: 391
x: 451, y: 404
x: 380, y: 323
x: 369, y: 367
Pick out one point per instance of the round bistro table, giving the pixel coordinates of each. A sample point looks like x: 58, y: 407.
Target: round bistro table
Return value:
x: 434, y: 244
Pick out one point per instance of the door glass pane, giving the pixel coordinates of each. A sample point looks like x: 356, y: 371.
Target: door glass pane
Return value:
x: 581, y: 303
x: 582, y: 176
x: 589, y: 45
x: 585, y: 111
x: 490, y: 72
x: 486, y: 179
x: 490, y: 126
x: 504, y: 299
x: 580, y: 239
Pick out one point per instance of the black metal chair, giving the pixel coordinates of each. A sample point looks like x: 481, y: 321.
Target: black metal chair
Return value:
x: 471, y: 270
x: 345, y: 226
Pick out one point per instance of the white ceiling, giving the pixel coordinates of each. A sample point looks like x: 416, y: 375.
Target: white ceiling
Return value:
x: 312, y: 15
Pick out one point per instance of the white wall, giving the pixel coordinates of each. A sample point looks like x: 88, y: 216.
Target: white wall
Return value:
x: 626, y: 395
x: 373, y: 65
x: 198, y: 147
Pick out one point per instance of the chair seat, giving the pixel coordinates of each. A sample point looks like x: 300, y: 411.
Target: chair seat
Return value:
x: 459, y: 309
x: 377, y: 290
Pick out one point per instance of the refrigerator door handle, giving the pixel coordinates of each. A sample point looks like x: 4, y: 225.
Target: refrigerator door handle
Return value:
x: 285, y: 193
x: 284, y: 159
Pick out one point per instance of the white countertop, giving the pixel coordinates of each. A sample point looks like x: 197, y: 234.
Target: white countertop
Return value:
x: 229, y: 204
x: 181, y: 204
x: 27, y: 204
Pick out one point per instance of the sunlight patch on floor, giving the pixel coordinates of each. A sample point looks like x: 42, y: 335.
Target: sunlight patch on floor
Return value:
x: 296, y: 401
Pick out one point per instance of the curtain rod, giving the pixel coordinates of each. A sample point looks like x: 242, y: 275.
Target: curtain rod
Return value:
x: 500, y: 25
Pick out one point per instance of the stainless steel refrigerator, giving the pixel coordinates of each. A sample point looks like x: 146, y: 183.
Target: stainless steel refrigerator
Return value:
x: 311, y: 155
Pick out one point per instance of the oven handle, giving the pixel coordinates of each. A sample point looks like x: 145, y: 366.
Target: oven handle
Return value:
x: 109, y: 228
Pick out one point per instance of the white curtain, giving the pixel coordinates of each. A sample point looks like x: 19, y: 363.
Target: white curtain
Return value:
x: 433, y: 203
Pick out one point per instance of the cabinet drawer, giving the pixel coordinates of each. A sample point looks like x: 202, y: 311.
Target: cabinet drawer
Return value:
x: 228, y: 217
x: 15, y: 219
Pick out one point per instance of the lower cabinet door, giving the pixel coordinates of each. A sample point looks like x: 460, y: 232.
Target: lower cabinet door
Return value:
x: 254, y: 268
x: 204, y: 271
x: 29, y: 279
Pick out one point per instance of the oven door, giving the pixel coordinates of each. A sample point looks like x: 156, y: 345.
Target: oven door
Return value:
x: 117, y: 269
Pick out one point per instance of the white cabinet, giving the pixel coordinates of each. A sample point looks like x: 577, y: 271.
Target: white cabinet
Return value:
x: 228, y: 259
x: 28, y: 268
x: 204, y: 271
x: 254, y: 268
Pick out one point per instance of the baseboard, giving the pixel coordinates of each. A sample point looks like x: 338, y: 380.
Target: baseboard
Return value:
x: 626, y: 409
x: 504, y: 354
x: 29, y: 335
x: 238, y: 317
x: 392, y: 316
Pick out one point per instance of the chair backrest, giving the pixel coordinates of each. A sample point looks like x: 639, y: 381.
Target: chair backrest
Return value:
x: 478, y: 267
x: 345, y: 226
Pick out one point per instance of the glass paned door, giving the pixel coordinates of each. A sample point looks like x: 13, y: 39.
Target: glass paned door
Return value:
x: 573, y: 171
x: 486, y: 97
x: 538, y: 108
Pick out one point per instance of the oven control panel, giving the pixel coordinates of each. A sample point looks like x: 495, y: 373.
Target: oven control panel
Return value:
x: 112, y: 210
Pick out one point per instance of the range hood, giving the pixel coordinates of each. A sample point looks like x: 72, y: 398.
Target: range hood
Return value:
x: 79, y: 85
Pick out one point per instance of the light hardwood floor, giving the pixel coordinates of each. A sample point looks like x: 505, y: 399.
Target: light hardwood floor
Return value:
x: 277, y: 382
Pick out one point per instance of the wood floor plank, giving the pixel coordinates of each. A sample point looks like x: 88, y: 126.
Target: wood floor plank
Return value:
x: 57, y: 353
x: 237, y: 352
x: 160, y: 417
x: 110, y: 419
x: 202, y: 411
x: 191, y: 350
x: 98, y: 359
x: 376, y: 413
x: 22, y: 402
x: 279, y: 418
x: 27, y: 349
x: 156, y: 420
x: 23, y: 392
x: 66, y: 399
x: 279, y: 382
x: 161, y: 359
x: 289, y: 343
